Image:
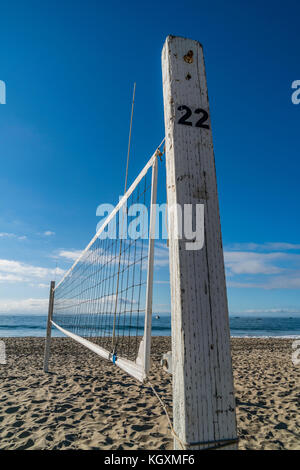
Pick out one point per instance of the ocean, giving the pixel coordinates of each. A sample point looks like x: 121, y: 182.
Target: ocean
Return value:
x: 240, y: 326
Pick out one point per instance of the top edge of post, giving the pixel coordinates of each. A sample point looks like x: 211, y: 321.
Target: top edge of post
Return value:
x: 170, y: 38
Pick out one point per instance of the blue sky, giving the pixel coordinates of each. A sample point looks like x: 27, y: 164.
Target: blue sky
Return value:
x: 69, y: 69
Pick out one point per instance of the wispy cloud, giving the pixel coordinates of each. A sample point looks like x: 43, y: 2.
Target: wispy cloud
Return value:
x: 16, y: 271
x: 161, y: 308
x: 41, y: 285
x: 48, y: 233
x: 244, y: 268
x: 288, y: 281
x: 94, y: 256
x: 24, y: 306
x: 10, y: 278
x: 268, y: 246
x: 111, y: 299
x: 6, y: 235
x: 12, y: 235
x: 100, y: 256
x: 259, y: 269
x: 272, y: 310
x: 11, y: 306
x: 245, y: 262
x: 161, y: 254
x: 68, y: 254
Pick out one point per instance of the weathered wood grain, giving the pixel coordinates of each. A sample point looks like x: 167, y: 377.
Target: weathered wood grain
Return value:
x: 204, y: 405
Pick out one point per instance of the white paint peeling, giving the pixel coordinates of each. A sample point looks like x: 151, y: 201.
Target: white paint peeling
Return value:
x: 204, y: 405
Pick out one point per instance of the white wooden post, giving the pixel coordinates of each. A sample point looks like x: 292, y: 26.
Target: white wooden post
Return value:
x: 150, y: 267
x: 203, y: 394
x: 49, y: 325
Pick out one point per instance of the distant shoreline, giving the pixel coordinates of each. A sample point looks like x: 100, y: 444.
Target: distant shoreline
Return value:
x: 15, y: 326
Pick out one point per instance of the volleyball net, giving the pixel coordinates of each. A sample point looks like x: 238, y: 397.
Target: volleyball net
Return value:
x: 104, y: 301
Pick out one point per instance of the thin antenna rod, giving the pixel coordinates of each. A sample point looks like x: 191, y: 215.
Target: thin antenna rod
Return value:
x: 55, y: 273
x: 129, y: 140
x: 120, y: 250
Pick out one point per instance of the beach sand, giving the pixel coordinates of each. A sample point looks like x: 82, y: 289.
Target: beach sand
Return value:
x: 87, y: 403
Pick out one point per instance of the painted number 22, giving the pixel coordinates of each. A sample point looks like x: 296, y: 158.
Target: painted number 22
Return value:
x: 188, y: 113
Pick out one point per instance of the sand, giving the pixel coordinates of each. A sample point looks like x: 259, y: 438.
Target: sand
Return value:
x: 87, y: 403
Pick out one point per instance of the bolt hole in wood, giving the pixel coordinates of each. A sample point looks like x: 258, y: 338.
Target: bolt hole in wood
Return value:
x: 188, y: 77
x: 188, y: 58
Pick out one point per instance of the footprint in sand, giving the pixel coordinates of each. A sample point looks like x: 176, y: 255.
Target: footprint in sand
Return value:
x: 12, y: 409
x: 28, y: 444
x: 24, y: 434
x: 144, y: 427
x: 281, y: 426
x: 17, y: 424
x: 131, y: 408
x: 41, y: 421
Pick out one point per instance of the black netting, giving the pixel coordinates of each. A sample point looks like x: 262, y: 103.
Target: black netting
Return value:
x: 106, y: 289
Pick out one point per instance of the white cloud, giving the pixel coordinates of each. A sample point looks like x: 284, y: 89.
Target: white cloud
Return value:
x: 69, y: 254
x: 123, y: 301
x: 268, y: 246
x: 48, y: 233
x: 41, y: 305
x: 107, y: 301
x: 97, y: 255
x: 24, y: 306
x: 282, y: 246
x: 10, y: 277
x: 289, y: 281
x: 16, y: 271
x: 40, y: 285
x: 161, y: 308
x: 259, y: 269
x: 245, y: 262
x: 12, y: 235
x: 101, y: 256
x: 272, y: 310
x: 161, y: 255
